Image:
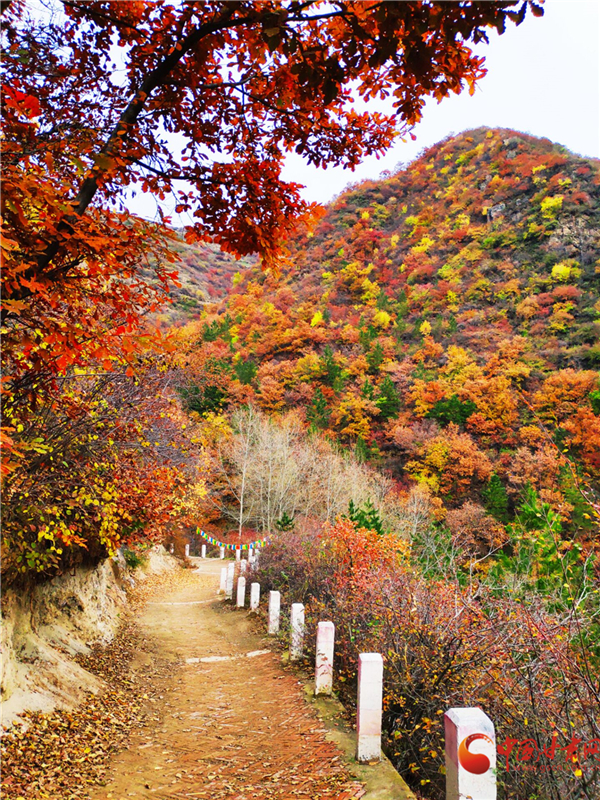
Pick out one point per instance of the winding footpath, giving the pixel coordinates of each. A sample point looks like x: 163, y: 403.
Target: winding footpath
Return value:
x: 228, y: 720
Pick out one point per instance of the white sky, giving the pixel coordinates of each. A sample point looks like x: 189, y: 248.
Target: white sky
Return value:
x: 543, y: 79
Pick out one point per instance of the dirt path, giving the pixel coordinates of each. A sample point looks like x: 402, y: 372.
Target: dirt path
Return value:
x: 236, y: 726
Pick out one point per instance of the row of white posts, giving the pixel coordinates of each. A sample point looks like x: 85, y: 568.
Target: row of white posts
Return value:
x: 187, y: 551
x: 469, y: 773
x: 252, y: 553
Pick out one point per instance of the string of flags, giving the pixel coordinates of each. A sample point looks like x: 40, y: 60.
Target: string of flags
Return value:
x: 217, y: 543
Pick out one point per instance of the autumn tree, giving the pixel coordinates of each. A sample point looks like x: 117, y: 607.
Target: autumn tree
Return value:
x: 104, y: 463
x: 451, y: 463
x: 260, y: 469
x: 199, y: 101
x: 240, y: 85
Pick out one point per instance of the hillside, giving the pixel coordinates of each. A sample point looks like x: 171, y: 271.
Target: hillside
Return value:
x: 205, y: 273
x: 443, y: 321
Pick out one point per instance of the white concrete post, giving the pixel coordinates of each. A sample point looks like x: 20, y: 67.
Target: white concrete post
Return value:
x: 221, y: 552
x: 274, y: 609
x: 238, y: 554
x: 250, y: 554
x: 243, y: 566
x: 297, y: 631
x: 470, y: 754
x: 229, y: 583
x: 223, y: 585
x: 187, y: 551
x: 254, y: 596
x: 324, y: 658
x: 241, y: 592
x: 369, y: 707
x: 203, y: 551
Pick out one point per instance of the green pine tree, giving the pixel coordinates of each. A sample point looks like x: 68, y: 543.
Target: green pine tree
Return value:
x: 452, y: 409
x: 285, y: 523
x: 318, y: 413
x: 332, y: 369
x: 388, y: 400
x: 367, y: 390
x: 366, y: 516
x: 595, y: 401
x: 495, y: 498
x: 375, y: 358
x: 245, y: 371
x: 366, y: 336
x: 361, y: 450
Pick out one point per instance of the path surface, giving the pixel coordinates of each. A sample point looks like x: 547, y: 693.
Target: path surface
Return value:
x: 233, y: 727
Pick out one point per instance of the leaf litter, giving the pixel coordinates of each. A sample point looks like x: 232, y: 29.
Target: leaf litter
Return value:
x: 63, y: 754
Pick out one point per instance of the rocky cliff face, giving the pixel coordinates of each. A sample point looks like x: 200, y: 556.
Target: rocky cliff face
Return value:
x: 44, y: 629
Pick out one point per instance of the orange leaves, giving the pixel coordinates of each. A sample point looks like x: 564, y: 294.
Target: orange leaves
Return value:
x: 563, y: 392
x: 355, y: 550
x: 450, y: 463
x: 24, y: 104
x: 352, y: 417
x: 583, y: 429
x: 292, y: 93
x: 425, y: 395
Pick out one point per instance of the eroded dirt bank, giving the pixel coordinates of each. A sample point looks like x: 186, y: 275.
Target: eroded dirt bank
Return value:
x: 46, y: 632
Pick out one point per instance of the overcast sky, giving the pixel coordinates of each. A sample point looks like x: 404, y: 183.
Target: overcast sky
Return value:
x: 543, y: 78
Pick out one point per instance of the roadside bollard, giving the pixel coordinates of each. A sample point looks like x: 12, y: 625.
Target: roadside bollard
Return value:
x: 221, y: 552
x: 297, y: 631
x: 324, y: 658
x: 470, y: 754
x: 187, y: 551
x: 223, y: 584
x: 241, y: 592
x: 254, y: 596
x: 203, y: 551
x: 274, y: 609
x: 229, y: 583
x: 243, y: 566
x: 369, y: 707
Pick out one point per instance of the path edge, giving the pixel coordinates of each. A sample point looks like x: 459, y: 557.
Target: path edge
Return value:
x: 382, y: 781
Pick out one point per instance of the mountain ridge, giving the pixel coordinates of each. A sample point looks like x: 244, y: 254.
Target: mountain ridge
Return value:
x: 444, y: 321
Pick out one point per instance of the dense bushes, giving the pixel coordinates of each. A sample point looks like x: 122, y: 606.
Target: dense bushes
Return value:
x: 97, y: 463
x: 447, y: 645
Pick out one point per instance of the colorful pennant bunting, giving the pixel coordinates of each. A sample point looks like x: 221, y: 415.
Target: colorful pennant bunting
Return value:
x: 217, y: 543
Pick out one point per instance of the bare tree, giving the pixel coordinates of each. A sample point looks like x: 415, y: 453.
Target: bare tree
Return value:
x: 266, y: 467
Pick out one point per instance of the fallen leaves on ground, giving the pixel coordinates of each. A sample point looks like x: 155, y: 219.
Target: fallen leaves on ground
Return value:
x: 60, y: 755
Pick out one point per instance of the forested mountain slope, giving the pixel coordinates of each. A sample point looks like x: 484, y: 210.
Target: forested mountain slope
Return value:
x: 204, y: 275
x: 443, y: 321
